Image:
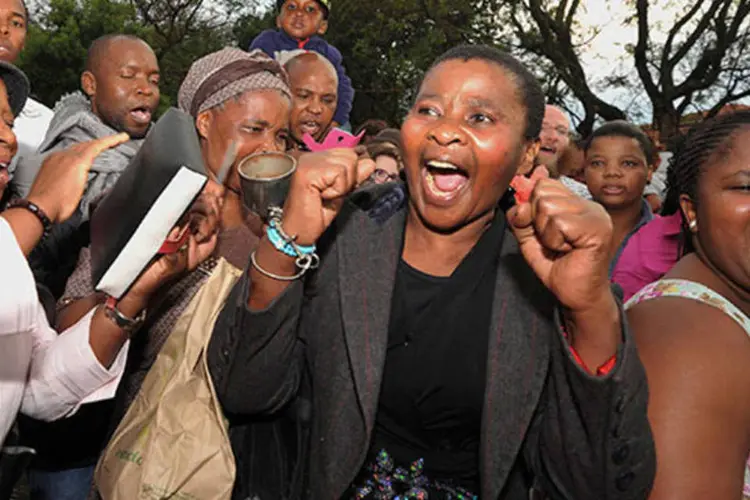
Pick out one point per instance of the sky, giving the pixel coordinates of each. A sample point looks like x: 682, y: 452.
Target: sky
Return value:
x: 605, y: 54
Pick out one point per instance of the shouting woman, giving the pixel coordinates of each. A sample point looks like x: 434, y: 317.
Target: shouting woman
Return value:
x: 454, y: 350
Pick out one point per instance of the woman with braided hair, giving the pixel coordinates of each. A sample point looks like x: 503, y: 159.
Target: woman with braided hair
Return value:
x: 692, y: 326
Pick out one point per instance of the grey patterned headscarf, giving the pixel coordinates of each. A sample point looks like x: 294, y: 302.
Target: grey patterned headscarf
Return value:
x: 219, y: 76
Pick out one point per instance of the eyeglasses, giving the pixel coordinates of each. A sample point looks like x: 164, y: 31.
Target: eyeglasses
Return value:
x: 381, y: 176
x: 559, y: 130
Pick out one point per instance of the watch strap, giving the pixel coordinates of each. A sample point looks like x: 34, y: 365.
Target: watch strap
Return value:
x: 126, y: 323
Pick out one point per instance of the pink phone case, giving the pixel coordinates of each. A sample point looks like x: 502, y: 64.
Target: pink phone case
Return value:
x: 336, y: 138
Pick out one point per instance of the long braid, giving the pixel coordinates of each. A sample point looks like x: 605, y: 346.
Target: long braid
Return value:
x: 671, y: 203
x: 696, y: 152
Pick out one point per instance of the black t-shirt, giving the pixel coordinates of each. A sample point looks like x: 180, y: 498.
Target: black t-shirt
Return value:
x: 432, y: 391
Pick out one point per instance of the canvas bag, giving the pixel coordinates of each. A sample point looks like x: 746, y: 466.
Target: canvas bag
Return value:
x: 173, y: 441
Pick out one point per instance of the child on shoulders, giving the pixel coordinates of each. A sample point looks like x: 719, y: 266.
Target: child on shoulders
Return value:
x: 301, y: 24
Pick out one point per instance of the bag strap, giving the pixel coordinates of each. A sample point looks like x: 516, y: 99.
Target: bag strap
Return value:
x: 690, y: 290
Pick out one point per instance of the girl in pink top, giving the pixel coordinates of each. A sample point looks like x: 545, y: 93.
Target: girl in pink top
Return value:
x: 657, y: 246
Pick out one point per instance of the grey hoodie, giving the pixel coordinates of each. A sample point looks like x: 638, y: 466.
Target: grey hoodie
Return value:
x: 55, y: 257
x: 74, y: 122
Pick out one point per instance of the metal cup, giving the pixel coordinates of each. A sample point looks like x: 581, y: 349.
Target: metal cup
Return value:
x: 265, y: 180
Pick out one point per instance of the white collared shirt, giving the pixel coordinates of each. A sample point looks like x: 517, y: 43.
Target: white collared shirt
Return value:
x: 45, y: 375
x: 30, y: 127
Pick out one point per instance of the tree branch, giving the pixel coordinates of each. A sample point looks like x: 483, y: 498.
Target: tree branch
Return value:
x: 708, y: 68
x: 702, y: 26
x: 641, y: 52
x: 686, y: 101
x: 571, y: 13
x: 667, y: 50
x: 557, y: 46
x: 560, y: 14
x: 727, y: 99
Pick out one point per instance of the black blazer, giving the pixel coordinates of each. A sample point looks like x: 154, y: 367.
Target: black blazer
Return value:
x: 546, y: 423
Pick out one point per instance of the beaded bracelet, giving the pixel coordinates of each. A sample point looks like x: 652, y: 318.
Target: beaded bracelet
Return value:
x: 285, y: 244
x: 34, y: 209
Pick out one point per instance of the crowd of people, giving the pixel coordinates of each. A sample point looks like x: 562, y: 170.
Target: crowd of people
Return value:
x: 408, y: 326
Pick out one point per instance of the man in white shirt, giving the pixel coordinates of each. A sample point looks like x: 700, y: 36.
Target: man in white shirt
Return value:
x: 554, y: 139
x: 32, y: 123
x: 30, y: 127
x: 44, y: 374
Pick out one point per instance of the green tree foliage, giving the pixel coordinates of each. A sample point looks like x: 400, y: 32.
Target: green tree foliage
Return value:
x: 179, y: 31
x: 59, y: 37
x: 251, y: 25
x: 388, y: 44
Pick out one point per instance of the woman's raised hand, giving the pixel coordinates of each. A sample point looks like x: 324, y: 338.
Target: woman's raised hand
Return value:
x: 318, y: 189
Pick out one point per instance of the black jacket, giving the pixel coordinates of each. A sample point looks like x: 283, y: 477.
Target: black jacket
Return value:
x: 546, y: 422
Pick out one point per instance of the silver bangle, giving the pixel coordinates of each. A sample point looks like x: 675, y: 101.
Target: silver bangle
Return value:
x: 305, y: 264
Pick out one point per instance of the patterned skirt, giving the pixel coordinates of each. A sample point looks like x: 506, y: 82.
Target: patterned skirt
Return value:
x: 381, y: 479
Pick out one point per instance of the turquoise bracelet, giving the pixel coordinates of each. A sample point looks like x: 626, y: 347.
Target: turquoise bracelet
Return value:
x: 284, y: 246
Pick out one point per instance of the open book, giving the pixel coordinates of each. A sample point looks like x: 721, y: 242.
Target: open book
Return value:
x: 132, y: 222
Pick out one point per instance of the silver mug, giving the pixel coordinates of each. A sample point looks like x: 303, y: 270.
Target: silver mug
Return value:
x: 265, y: 180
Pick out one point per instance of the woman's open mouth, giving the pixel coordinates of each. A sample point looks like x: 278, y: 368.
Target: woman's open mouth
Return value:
x: 443, y: 181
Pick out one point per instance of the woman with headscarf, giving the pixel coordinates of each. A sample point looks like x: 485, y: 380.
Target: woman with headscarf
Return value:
x: 240, y: 102
x: 454, y: 350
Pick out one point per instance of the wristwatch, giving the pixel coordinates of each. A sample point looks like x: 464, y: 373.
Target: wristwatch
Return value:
x: 128, y: 325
